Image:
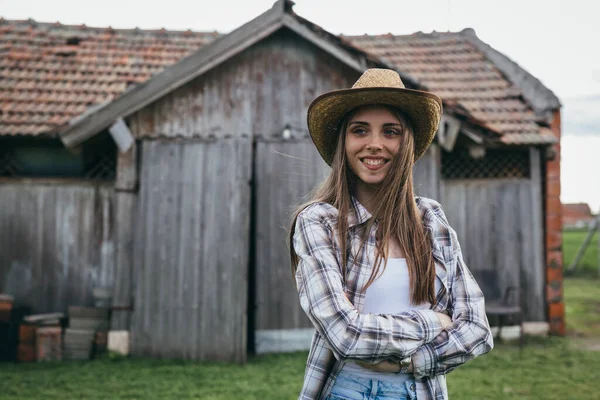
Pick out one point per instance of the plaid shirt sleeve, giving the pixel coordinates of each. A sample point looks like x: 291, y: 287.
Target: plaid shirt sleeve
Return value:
x: 349, y: 335
x: 469, y: 334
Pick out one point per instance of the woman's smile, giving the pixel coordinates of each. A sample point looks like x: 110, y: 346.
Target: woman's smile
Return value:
x: 374, y: 163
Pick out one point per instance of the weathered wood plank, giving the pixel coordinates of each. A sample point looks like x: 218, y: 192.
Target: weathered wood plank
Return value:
x: 127, y: 173
x: 58, y: 243
x: 193, y: 295
x: 122, y: 296
x: 426, y: 176
x: 285, y: 173
x: 535, y: 274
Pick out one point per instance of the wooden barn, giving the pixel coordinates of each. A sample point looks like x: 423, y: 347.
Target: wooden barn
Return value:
x: 164, y: 165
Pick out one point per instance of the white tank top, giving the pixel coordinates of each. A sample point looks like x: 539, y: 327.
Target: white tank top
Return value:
x: 388, y: 294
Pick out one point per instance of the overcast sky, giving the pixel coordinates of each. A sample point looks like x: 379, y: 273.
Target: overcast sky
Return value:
x: 554, y: 40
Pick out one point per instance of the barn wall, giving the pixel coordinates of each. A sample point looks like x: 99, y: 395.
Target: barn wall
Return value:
x: 57, y: 242
x: 191, y: 250
x: 259, y: 91
x: 499, y: 225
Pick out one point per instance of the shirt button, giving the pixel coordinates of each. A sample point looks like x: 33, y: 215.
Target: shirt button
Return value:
x: 412, y: 387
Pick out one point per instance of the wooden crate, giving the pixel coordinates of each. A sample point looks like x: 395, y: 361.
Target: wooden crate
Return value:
x: 48, y: 344
x: 78, y: 344
x: 27, y: 334
x: 26, y: 352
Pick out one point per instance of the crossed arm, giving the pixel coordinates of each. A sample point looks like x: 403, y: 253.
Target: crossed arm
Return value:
x: 436, y: 345
x: 387, y: 366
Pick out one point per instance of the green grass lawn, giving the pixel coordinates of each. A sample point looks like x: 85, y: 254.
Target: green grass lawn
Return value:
x: 572, y: 240
x: 582, y: 299
x: 548, y: 369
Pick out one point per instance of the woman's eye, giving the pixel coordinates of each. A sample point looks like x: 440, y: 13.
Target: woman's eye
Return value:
x: 391, y: 132
x: 360, y: 131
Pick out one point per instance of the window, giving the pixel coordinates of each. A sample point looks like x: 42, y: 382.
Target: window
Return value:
x: 35, y: 157
x: 496, y: 163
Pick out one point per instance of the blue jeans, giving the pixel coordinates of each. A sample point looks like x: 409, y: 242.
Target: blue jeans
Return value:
x: 354, y: 387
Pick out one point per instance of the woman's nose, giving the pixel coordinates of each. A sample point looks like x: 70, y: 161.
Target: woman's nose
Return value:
x: 374, y: 143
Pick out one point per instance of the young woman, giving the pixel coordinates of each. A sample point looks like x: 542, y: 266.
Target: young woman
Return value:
x: 379, y: 271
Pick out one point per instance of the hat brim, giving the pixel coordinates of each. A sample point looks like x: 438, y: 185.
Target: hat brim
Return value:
x: 326, y: 112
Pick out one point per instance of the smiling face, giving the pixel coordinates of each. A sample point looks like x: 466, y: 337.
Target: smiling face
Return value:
x: 374, y: 135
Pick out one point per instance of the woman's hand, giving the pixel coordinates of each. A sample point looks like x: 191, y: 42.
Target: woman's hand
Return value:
x: 384, y: 366
x: 445, y: 320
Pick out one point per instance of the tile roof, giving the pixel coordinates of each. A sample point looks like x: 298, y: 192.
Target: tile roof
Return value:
x: 51, y: 73
x: 575, y: 214
x: 576, y: 209
x: 450, y: 65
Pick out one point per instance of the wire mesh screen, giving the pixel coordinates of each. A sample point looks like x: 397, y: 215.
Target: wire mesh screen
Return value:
x: 496, y: 163
x: 103, y: 167
x: 101, y: 159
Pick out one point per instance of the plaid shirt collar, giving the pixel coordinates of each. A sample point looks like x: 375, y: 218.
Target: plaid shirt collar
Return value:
x: 358, y: 214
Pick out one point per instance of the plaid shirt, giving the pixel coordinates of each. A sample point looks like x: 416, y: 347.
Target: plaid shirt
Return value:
x: 334, y: 303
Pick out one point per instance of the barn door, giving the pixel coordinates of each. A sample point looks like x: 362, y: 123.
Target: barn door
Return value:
x: 284, y: 173
x: 191, y: 250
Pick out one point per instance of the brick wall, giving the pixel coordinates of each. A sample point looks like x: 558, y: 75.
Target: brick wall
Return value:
x: 554, y: 256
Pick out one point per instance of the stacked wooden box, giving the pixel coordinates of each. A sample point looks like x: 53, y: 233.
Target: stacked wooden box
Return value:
x: 26, y: 348
x: 80, y: 336
x: 40, y: 338
x: 48, y: 343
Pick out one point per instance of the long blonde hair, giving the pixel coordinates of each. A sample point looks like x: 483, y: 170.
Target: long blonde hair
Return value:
x: 396, y: 212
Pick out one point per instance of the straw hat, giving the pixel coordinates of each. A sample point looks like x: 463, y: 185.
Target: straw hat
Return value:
x: 375, y: 86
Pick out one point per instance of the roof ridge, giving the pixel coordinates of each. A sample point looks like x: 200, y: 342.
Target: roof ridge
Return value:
x: 404, y: 35
x: 58, y: 24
